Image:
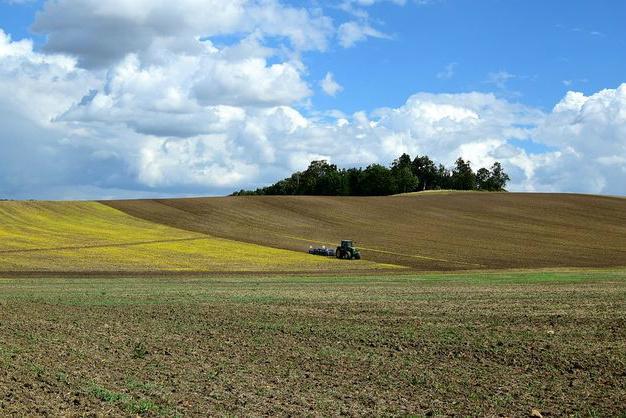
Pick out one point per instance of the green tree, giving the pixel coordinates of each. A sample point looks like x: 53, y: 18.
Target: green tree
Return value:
x: 463, y: 178
x: 425, y: 171
x: 377, y: 181
x: 404, y: 175
x: 482, y: 179
x: 320, y: 178
x: 498, y: 178
x: 442, y: 179
x: 354, y: 181
x: 405, y: 180
x: 401, y: 162
x: 401, y: 170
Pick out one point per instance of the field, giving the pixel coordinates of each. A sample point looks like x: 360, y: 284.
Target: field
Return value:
x: 90, y: 238
x: 426, y: 232
x: 471, y: 304
x: 270, y: 234
x: 439, y: 344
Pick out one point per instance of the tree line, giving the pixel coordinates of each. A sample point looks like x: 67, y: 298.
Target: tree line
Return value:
x: 403, y: 176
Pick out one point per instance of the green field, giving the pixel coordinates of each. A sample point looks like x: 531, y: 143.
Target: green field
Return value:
x: 440, y: 344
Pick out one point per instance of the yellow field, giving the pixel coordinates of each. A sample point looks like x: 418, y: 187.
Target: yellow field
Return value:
x: 91, y: 237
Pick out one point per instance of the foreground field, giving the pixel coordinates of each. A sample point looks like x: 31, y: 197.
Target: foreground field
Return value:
x: 428, y: 231
x: 480, y: 344
x: 88, y: 237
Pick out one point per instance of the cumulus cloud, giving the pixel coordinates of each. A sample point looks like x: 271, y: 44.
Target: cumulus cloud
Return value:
x: 101, y: 33
x: 590, y: 132
x: 158, y: 108
x: 329, y: 85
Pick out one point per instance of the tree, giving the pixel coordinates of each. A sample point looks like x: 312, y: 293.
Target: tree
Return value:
x: 401, y: 162
x: 403, y: 176
x: 320, y: 178
x: 377, y: 181
x: 354, y: 181
x: 405, y: 180
x: 425, y: 171
x: 463, y: 178
x: 498, y: 178
x: 442, y: 179
x: 482, y: 179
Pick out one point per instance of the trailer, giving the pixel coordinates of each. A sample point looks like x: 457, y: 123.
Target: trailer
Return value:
x: 323, y: 251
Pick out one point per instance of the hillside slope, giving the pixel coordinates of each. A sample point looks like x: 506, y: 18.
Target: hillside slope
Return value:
x: 87, y: 237
x: 426, y: 232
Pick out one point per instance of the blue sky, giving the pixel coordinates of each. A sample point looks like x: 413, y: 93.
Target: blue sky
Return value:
x: 540, y: 44
x: 521, y: 58
x: 546, y: 47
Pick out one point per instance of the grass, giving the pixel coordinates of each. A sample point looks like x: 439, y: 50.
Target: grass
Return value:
x: 123, y: 401
x: 469, y: 344
x: 89, y: 236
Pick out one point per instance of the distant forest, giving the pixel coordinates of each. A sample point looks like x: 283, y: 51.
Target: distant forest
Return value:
x: 403, y: 176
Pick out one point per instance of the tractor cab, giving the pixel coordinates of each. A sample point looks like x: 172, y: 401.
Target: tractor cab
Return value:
x: 348, y: 251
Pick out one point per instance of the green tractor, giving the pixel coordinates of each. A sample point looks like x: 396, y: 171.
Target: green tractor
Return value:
x: 347, y: 251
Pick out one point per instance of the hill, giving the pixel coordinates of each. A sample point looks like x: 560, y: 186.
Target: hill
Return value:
x: 454, y: 231
x: 88, y: 237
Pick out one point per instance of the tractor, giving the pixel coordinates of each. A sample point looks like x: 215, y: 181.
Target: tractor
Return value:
x: 347, y: 251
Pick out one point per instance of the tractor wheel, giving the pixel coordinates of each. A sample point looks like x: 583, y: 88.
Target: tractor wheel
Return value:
x: 338, y: 254
x: 357, y: 257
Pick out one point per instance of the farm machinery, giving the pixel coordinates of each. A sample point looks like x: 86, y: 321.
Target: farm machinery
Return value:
x: 346, y: 250
x: 327, y: 252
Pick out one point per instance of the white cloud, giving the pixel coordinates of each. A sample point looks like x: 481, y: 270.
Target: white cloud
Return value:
x: 590, y: 131
x: 500, y: 79
x: 101, y: 33
x: 172, y: 114
x: 350, y: 33
x: 249, y: 82
x: 329, y: 85
x: 447, y: 72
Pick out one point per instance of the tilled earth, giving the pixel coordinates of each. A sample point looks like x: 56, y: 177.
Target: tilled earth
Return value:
x: 489, y: 344
x: 426, y: 232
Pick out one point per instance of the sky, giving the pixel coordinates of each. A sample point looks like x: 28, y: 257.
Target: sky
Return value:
x: 148, y: 98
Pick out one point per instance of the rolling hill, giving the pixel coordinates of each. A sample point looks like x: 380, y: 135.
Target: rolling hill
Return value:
x: 88, y: 237
x: 427, y: 231
x: 423, y: 232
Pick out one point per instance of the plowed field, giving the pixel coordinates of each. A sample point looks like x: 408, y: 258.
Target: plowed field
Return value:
x: 430, y: 231
x: 425, y: 345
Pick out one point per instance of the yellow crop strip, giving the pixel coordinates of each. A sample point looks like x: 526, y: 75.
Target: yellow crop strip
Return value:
x: 89, y: 236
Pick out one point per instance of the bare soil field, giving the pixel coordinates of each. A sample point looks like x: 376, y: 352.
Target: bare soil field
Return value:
x: 475, y: 344
x: 429, y: 231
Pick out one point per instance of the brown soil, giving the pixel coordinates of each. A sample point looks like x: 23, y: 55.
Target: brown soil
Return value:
x: 388, y: 346
x: 455, y: 231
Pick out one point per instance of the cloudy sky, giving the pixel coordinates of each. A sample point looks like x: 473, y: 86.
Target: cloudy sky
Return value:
x: 120, y: 98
